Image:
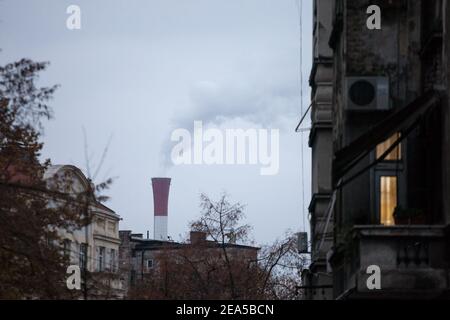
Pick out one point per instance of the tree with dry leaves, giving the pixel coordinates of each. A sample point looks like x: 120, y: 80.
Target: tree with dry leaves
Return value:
x: 32, y: 264
x: 223, y: 263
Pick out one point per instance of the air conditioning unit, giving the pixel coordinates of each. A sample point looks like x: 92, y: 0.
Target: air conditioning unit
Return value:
x: 302, y: 242
x: 364, y: 94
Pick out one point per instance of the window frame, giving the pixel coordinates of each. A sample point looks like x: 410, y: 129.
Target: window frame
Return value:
x: 388, y: 168
x: 67, y: 248
x: 82, y: 255
x: 101, y: 259
x: 378, y: 194
x: 112, y: 259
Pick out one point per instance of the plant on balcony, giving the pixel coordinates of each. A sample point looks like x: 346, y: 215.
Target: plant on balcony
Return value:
x: 409, y: 216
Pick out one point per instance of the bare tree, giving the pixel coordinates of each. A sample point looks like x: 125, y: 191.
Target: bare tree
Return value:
x: 93, y: 171
x: 98, y: 285
x: 32, y: 264
x: 225, y: 265
x: 282, y: 265
x: 220, y: 221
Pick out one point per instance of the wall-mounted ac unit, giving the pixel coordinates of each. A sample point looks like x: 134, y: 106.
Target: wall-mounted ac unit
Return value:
x: 302, y: 242
x: 364, y: 94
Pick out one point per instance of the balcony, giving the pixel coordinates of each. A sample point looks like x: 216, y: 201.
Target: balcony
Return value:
x: 413, y: 261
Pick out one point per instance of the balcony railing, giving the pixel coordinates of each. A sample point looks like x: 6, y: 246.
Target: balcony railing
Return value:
x: 413, y: 259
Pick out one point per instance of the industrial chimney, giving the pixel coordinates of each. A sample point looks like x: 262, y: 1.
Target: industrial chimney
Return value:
x: 160, y: 203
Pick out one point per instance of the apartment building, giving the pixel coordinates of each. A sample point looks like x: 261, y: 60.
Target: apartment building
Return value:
x: 95, y: 247
x: 380, y: 144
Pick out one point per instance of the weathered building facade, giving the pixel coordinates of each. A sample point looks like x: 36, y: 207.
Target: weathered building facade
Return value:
x: 381, y: 150
x: 141, y: 258
x: 95, y: 246
x: 317, y: 279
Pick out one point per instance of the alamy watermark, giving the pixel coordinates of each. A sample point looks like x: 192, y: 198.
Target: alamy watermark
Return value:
x: 374, y: 279
x: 374, y: 20
x: 73, y: 21
x: 73, y: 281
x: 213, y: 146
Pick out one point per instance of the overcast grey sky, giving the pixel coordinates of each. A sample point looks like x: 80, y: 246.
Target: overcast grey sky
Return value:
x: 137, y: 69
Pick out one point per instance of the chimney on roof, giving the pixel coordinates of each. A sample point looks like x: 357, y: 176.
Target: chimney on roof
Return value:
x: 197, y: 237
x: 160, y: 204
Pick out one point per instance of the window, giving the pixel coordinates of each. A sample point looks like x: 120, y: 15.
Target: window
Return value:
x: 101, y: 259
x: 111, y: 226
x: 149, y: 263
x: 67, y: 247
x: 82, y: 256
x: 101, y: 224
x: 388, y: 199
x: 112, y: 260
x: 389, y: 178
x: 395, y: 154
x: 49, y: 241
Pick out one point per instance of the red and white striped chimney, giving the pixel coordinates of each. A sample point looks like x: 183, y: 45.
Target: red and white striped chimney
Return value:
x: 160, y: 204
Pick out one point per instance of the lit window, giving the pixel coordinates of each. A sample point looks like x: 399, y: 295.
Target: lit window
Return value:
x: 388, y: 200
x: 395, y: 154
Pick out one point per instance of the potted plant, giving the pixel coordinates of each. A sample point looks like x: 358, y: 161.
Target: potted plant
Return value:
x: 409, y: 216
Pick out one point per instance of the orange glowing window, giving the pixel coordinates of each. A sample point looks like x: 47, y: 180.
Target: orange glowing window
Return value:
x: 395, y: 154
x: 388, y: 200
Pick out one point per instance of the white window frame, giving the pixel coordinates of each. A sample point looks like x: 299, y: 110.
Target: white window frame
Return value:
x: 101, y: 259
x: 82, y: 255
x: 112, y: 259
